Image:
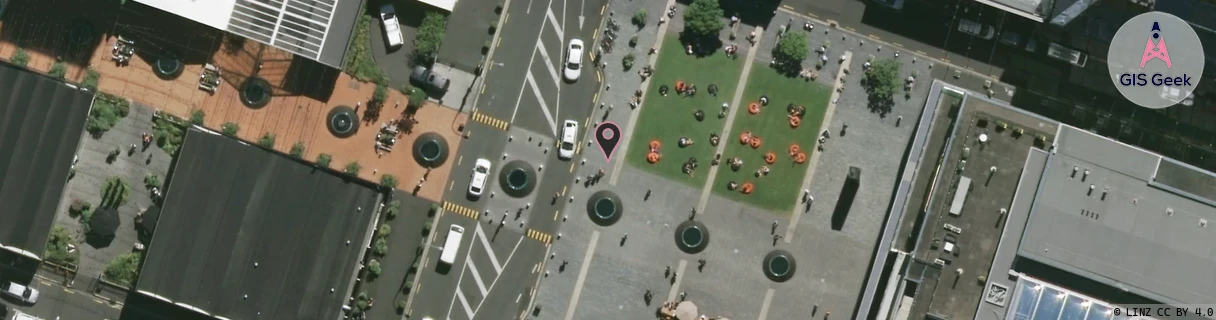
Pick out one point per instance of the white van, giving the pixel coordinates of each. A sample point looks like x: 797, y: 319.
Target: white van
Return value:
x: 452, y: 244
x: 22, y: 316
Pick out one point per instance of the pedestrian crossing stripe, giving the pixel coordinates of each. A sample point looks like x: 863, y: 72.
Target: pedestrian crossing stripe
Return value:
x: 540, y: 236
x: 461, y: 210
x: 493, y: 122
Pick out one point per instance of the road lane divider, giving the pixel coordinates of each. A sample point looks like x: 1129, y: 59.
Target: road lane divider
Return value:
x: 540, y: 236
x: 461, y: 210
x: 491, y: 121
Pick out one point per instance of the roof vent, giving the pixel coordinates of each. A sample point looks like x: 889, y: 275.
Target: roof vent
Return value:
x: 1203, y: 222
x: 1169, y: 211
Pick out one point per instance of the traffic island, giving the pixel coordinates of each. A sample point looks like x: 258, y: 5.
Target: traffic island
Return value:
x: 692, y: 236
x: 341, y: 122
x: 605, y: 208
x: 517, y: 178
x: 430, y: 150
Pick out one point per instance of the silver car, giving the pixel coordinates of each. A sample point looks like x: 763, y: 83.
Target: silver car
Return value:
x: 25, y: 293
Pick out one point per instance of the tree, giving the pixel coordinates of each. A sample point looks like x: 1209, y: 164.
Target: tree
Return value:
x: 324, y: 159
x: 91, y: 77
x: 429, y: 37
x: 385, y: 230
x: 791, y: 49
x: 58, y: 70
x: 882, y: 83
x: 639, y: 18
x: 417, y: 98
x: 388, y: 180
x: 20, y: 57
x: 197, y: 116
x: 267, y: 140
x: 353, y: 168
x: 115, y: 192
x: 124, y: 269
x: 704, y: 18
x: 58, y: 246
x: 374, y: 267
x: 230, y: 129
x: 380, y: 248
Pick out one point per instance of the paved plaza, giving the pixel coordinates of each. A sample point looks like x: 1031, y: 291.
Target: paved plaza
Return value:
x: 605, y: 271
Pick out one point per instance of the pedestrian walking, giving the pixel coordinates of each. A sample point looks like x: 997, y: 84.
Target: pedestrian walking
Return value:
x: 683, y: 295
x: 898, y: 120
x: 774, y: 225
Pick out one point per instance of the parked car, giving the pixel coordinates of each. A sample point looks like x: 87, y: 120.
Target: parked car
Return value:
x: 481, y: 170
x: 392, y: 29
x: 1017, y: 40
x: 25, y: 293
x: 976, y: 29
x: 569, y: 135
x: 574, y: 60
x: 18, y: 315
x: 429, y: 81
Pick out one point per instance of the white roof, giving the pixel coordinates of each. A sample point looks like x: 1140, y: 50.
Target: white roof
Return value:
x: 441, y: 4
x: 214, y: 13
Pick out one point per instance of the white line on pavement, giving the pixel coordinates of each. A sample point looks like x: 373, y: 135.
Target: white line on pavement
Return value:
x: 531, y: 58
x: 553, y: 19
x: 512, y: 254
x: 675, y: 286
x: 477, y: 278
x: 582, y: 275
x: 531, y: 81
x: 463, y: 303
x: 544, y: 54
x: 458, y: 280
x: 486, y: 243
x: 768, y: 299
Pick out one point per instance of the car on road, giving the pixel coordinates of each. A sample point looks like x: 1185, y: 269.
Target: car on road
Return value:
x: 392, y: 29
x: 976, y: 29
x: 574, y: 60
x: 481, y: 170
x: 23, y: 316
x: 25, y: 293
x: 430, y: 81
x: 569, y: 135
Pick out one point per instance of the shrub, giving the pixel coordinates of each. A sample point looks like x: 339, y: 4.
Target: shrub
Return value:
x: 385, y: 230
x: 323, y: 160
x: 493, y: 25
x: 633, y: 41
x: 107, y: 111
x: 406, y: 89
x: 380, y: 248
x: 381, y: 94
x: 197, y: 116
x: 90, y: 79
x: 417, y: 98
x: 639, y: 18
x: 627, y: 61
x: 79, y: 207
x: 267, y: 140
x: 401, y: 306
x: 58, y: 70
x: 353, y: 168
x: 58, y: 246
x: 124, y: 269
x: 434, y: 209
x: 361, y: 65
x: 392, y: 209
x: 297, y: 150
x: 169, y: 133
x: 230, y: 129
x: 21, y: 58
x: 152, y: 180
x: 429, y: 37
x: 427, y: 227
x: 373, y: 267
x: 388, y: 180
x: 361, y: 301
x: 115, y: 192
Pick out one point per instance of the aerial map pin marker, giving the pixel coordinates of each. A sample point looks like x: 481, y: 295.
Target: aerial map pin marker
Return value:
x: 607, y: 136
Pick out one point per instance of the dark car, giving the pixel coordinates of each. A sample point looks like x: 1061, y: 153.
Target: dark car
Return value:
x: 429, y: 81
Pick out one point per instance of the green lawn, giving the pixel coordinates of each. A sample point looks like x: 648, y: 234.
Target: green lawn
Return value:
x: 778, y: 190
x: 666, y: 119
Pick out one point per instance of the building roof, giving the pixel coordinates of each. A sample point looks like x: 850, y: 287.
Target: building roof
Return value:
x: 41, y: 121
x: 249, y: 234
x: 446, y: 5
x: 319, y: 30
x: 1130, y: 232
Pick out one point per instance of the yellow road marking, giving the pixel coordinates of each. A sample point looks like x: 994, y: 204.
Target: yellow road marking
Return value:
x: 505, y: 18
x: 540, y: 236
x: 812, y: 15
x: 596, y: 97
x: 850, y: 29
x: 605, y: 7
x: 459, y: 160
x: 555, y: 212
x: 483, y: 88
x: 564, y: 190
x: 451, y: 185
x: 571, y: 166
x: 874, y: 37
x: 922, y: 53
x: 787, y: 7
x: 897, y: 44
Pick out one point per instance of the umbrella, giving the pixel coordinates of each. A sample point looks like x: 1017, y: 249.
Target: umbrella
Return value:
x: 104, y: 223
x: 686, y: 310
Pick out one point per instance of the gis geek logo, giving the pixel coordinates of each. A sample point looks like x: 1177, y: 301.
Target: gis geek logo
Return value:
x: 1144, y: 71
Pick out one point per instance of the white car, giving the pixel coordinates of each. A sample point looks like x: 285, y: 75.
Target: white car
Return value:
x: 481, y: 170
x: 574, y: 60
x: 392, y: 29
x: 565, y: 151
x: 27, y: 294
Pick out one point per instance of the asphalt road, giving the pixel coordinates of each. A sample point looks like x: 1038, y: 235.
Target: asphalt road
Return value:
x: 57, y: 302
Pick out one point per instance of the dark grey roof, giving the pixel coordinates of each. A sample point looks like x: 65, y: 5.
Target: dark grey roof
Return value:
x: 231, y: 206
x: 41, y: 122
x: 315, y: 29
x: 1130, y: 232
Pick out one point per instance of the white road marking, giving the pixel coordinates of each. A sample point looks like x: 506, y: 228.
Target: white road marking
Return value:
x: 464, y: 303
x: 582, y: 275
x: 531, y: 59
x: 544, y: 54
x: 477, y: 278
x: 543, y: 107
x: 486, y: 243
x: 458, y: 280
x: 512, y: 254
x: 557, y: 27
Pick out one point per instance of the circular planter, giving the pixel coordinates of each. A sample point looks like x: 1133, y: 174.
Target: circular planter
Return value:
x: 168, y: 68
x: 692, y: 236
x: 605, y: 208
x: 517, y: 178
x: 256, y: 92
x: 779, y: 265
x: 430, y: 150
x: 342, y: 122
